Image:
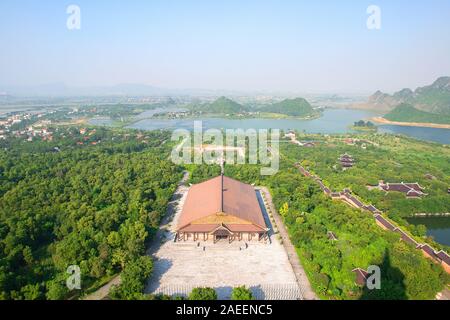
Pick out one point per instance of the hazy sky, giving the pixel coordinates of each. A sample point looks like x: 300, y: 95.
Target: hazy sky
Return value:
x: 304, y: 46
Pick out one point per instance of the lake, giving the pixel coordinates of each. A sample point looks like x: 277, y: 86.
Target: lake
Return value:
x: 437, y: 227
x: 332, y: 121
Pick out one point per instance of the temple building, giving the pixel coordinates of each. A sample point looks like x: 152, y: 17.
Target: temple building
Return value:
x: 346, y: 161
x: 411, y: 190
x: 222, y: 209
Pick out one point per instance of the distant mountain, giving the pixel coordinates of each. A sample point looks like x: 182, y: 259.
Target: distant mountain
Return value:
x: 125, y: 89
x: 434, y: 98
x: 298, y: 107
x: 222, y: 105
x: 61, y: 90
x: 407, y: 113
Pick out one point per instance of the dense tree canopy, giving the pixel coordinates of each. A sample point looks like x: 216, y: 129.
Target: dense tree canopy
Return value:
x: 93, y: 206
x: 241, y: 293
x: 203, y: 294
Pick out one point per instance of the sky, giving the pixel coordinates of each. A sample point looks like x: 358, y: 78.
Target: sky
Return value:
x: 246, y: 45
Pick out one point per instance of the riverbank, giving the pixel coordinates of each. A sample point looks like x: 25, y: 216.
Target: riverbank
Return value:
x: 446, y: 214
x: 382, y: 120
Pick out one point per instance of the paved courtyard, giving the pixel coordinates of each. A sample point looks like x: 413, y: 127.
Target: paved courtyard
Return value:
x: 181, y: 266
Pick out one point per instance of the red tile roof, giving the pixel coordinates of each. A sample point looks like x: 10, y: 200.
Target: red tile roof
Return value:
x: 405, y: 237
x: 372, y: 208
x: 429, y: 250
x: 221, y: 195
x: 361, y: 276
x: 385, y: 222
x: 444, y: 257
x: 411, y: 189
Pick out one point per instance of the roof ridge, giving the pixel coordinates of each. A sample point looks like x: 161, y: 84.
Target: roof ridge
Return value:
x: 221, y: 192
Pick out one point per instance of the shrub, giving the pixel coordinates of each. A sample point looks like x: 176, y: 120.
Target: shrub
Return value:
x: 203, y: 294
x: 241, y: 293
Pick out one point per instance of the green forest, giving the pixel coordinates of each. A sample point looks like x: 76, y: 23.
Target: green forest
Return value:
x: 91, y: 206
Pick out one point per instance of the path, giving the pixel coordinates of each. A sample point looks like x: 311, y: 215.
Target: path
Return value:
x: 102, y: 293
x: 302, y: 279
x: 443, y: 295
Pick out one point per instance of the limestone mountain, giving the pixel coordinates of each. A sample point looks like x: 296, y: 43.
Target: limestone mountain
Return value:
x: 434, y: 98
x: 298, y: 107
x: 222, y: 105
x: 407, y: 113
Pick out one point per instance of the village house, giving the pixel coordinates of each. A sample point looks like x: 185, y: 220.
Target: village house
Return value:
x: 222, y: 209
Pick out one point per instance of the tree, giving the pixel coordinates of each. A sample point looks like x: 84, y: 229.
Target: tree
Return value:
x: 56, y: 290
x: 241, y: 293
x: 284, y: 209
x: 203, y: 294
x: 133, y: 279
